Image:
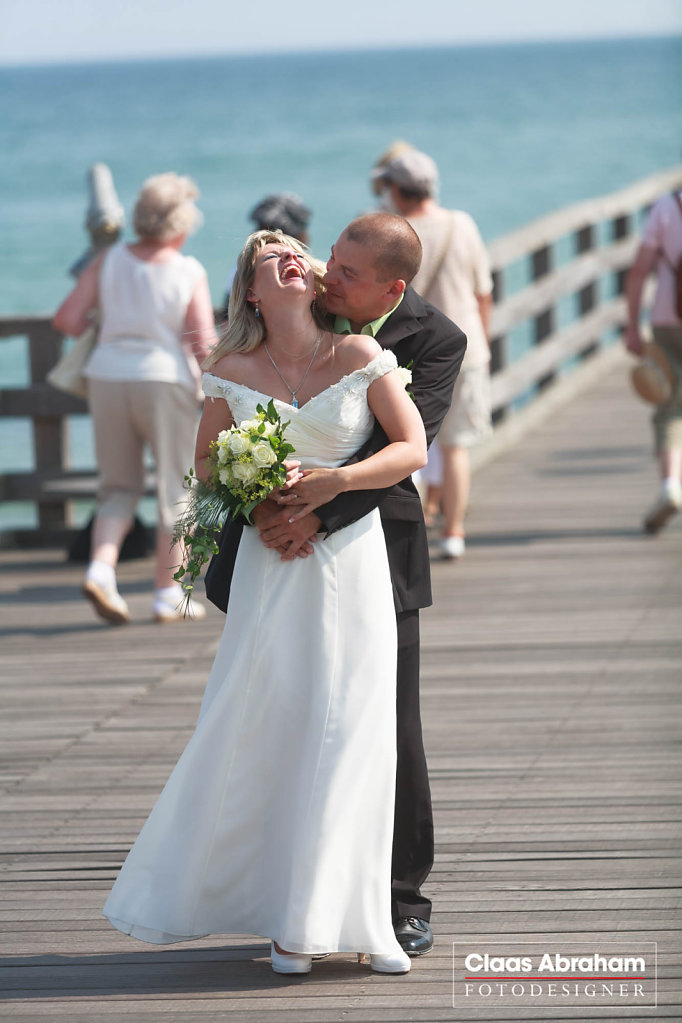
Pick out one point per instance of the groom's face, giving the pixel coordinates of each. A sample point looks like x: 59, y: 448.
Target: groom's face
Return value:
x: 352, y: 286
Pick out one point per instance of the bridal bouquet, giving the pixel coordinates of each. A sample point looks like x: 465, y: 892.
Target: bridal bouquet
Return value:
x: 246, y: 462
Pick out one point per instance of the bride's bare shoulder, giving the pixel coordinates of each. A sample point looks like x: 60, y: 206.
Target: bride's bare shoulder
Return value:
x: 234, y: 366
x: 356, y: 350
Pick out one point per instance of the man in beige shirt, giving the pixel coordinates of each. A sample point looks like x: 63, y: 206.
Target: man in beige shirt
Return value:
x: 455, y: 278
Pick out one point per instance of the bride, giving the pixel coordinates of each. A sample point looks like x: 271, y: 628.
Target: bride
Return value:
x: 277, y: 819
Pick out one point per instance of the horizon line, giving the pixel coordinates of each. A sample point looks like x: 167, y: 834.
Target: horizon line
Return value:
x: 320, y: 49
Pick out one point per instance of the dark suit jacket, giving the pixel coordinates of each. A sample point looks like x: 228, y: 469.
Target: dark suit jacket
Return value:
x: 433, y: 347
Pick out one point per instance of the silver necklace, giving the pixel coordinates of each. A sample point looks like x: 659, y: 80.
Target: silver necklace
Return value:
x: 293, y: 390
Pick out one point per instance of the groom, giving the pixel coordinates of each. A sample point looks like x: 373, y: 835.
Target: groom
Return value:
x: 367, y: 281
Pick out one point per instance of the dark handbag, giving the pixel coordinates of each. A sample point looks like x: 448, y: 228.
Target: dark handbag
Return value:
x: 218, y: 578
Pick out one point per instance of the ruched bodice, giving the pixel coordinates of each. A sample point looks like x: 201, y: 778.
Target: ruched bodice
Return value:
x: 329, y: 428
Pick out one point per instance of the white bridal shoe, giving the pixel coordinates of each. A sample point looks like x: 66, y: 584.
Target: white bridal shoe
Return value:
x: 396, y: 962
x: 291, y: 963
x: 294, y: 962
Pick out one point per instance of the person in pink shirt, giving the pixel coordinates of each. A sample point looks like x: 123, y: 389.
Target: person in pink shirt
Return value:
x: 661, y: 250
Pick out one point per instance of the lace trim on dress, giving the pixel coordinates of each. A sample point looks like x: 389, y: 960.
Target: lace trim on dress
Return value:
x: 219, y: 387
x: 379, y: 366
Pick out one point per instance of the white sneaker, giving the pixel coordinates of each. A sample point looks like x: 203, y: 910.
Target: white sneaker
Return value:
x: 107, y: 601
x: 452, y: 548
x: 668, y: 504
x: 172, y: 606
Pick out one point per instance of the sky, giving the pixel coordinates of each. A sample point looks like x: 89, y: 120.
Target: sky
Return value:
x: 37, y: 31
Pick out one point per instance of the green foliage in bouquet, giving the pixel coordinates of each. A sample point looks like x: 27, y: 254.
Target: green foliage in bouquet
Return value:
x: 246, y: 464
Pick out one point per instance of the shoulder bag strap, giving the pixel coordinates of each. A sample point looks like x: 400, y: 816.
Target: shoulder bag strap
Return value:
x: 449, y: 233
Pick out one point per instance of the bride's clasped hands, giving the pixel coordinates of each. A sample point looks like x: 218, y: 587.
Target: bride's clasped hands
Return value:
x: 310, y: 488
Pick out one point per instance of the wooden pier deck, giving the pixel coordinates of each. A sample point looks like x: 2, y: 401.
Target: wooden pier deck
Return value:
x: 552, y: 671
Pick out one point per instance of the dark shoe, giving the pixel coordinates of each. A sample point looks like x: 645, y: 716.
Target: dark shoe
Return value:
x: 414, y: 935
x: 668, y: 504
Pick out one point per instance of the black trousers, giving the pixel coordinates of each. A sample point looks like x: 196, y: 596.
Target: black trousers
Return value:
x: 413, y: 828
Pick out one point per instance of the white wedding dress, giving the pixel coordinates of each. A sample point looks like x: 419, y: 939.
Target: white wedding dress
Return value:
x: 278, y: 818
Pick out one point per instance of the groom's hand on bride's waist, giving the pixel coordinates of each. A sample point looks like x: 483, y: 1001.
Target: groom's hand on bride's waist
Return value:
x: 291, y: 539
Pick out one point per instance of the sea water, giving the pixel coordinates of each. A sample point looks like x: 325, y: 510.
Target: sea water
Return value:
x: 516, y: 131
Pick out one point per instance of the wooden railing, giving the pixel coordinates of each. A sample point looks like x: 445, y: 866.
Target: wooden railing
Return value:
x: 50, y: 485
x: 531, y: 284
x: 601, y: 236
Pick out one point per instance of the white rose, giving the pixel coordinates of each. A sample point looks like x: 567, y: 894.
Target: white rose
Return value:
x: 269, y: 429
x: 245, y: 472
x: 225, y: 476
x: 239, y: 443
x: 223, y: 446
x: 249, y: 424
x: 405, y: 375
x: 263, y: 454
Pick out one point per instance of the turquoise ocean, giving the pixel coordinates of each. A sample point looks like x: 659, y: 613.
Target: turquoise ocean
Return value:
x: 516, y: 130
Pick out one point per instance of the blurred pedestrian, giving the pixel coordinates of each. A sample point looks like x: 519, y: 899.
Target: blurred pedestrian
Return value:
x: 455, y: 277
x: 661, y: 250
x: 377, y: 184
x: 156, y: 323
x: 281, y: 211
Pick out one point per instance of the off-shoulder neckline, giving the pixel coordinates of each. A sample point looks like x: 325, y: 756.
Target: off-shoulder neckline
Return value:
x: 299, y: 408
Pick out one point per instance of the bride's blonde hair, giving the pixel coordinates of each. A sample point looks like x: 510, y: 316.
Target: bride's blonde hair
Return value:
x: 245, y: 331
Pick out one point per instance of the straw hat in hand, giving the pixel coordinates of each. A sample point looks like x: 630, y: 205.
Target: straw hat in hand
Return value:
x: 653, y: 378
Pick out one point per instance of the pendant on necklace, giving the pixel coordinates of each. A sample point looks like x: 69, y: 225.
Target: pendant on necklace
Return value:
x: 294, y: 403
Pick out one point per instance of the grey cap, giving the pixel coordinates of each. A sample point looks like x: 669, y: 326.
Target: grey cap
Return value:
x: 411, y: 170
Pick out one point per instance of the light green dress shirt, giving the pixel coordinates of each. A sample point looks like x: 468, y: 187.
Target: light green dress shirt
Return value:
x: 342, y: 323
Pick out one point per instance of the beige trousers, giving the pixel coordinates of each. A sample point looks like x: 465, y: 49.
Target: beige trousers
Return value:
x: 129, y: 415
x: 667, y: 419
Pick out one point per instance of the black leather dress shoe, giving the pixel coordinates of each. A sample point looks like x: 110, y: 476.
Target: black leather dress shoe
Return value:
x: 414, y: 935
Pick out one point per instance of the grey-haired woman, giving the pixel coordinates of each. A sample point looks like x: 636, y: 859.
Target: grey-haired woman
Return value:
x: 156, y: 323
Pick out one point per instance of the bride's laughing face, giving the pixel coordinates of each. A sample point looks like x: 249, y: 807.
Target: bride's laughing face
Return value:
x: 280, y: 271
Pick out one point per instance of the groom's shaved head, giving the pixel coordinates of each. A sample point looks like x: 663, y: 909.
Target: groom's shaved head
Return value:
x: 393, y: 242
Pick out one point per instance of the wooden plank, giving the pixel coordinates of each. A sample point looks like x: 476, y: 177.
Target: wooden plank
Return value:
x: 555, y: 350
x: 39, y: 399
x: 70, y: 484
